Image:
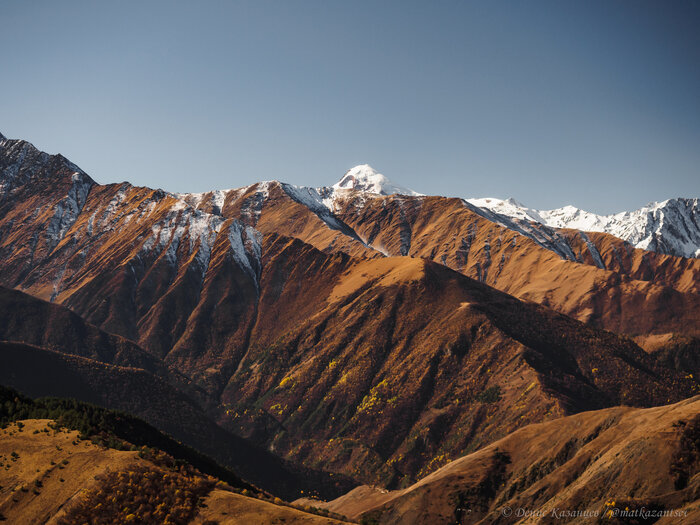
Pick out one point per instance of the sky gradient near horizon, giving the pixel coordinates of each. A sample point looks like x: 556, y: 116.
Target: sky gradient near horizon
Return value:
x: 595, y: 104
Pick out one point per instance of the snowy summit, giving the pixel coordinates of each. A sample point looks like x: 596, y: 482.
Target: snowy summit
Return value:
x: 365, y: 178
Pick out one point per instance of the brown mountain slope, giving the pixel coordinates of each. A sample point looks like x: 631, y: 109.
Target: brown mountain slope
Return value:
x: 140, y: 384
x: 54, y: 477
x: 26, y: 319
x: 40, y: 197
x: 238, y: 312
x: 677, y: 352
x: 38, y: 459
x: 596, y: 462
x: 638, y: 293
x: 619, y: 256
x: 230, y: 508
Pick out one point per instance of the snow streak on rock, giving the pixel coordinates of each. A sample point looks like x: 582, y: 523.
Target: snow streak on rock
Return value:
x: 246, y: 249
x: 543, y: 235
x: 594, y: 251
x: 68, y: 209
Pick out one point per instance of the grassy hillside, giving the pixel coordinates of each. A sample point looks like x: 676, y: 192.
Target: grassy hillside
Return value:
x: 109, y: 428
x: 51, y: 474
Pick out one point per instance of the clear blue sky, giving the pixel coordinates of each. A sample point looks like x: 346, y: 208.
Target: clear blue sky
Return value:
x: 595, y: 104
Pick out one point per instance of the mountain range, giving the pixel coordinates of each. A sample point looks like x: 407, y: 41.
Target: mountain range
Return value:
x: 671, y: 227
x: 314, y: 339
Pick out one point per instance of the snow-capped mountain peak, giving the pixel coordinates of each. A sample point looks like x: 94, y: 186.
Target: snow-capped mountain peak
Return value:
x: 366, y: 179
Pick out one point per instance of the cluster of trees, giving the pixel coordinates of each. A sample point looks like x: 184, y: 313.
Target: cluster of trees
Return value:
x: 686, y: 462
x: 142, y: 495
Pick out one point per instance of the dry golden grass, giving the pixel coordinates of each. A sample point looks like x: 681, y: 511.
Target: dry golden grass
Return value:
x: 51, y: 469
x: 379, y: 272
x: 228, y: 508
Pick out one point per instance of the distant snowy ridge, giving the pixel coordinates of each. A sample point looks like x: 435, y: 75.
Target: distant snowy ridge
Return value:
x: 321, y: 201
x: 671, y: 227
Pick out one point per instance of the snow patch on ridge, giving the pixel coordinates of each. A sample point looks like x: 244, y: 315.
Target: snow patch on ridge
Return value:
x: 311, y: 198
x: 251, y: 208
x: 593, y: 251
x: 216, y: 198
x: 201, y: 229
x: 166, y: 235
x: 24, y: 162
x: 508, y: 207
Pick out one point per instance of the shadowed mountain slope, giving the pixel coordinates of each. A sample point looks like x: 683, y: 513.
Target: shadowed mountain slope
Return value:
x: 40, y: 372
x: 26, y: 319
